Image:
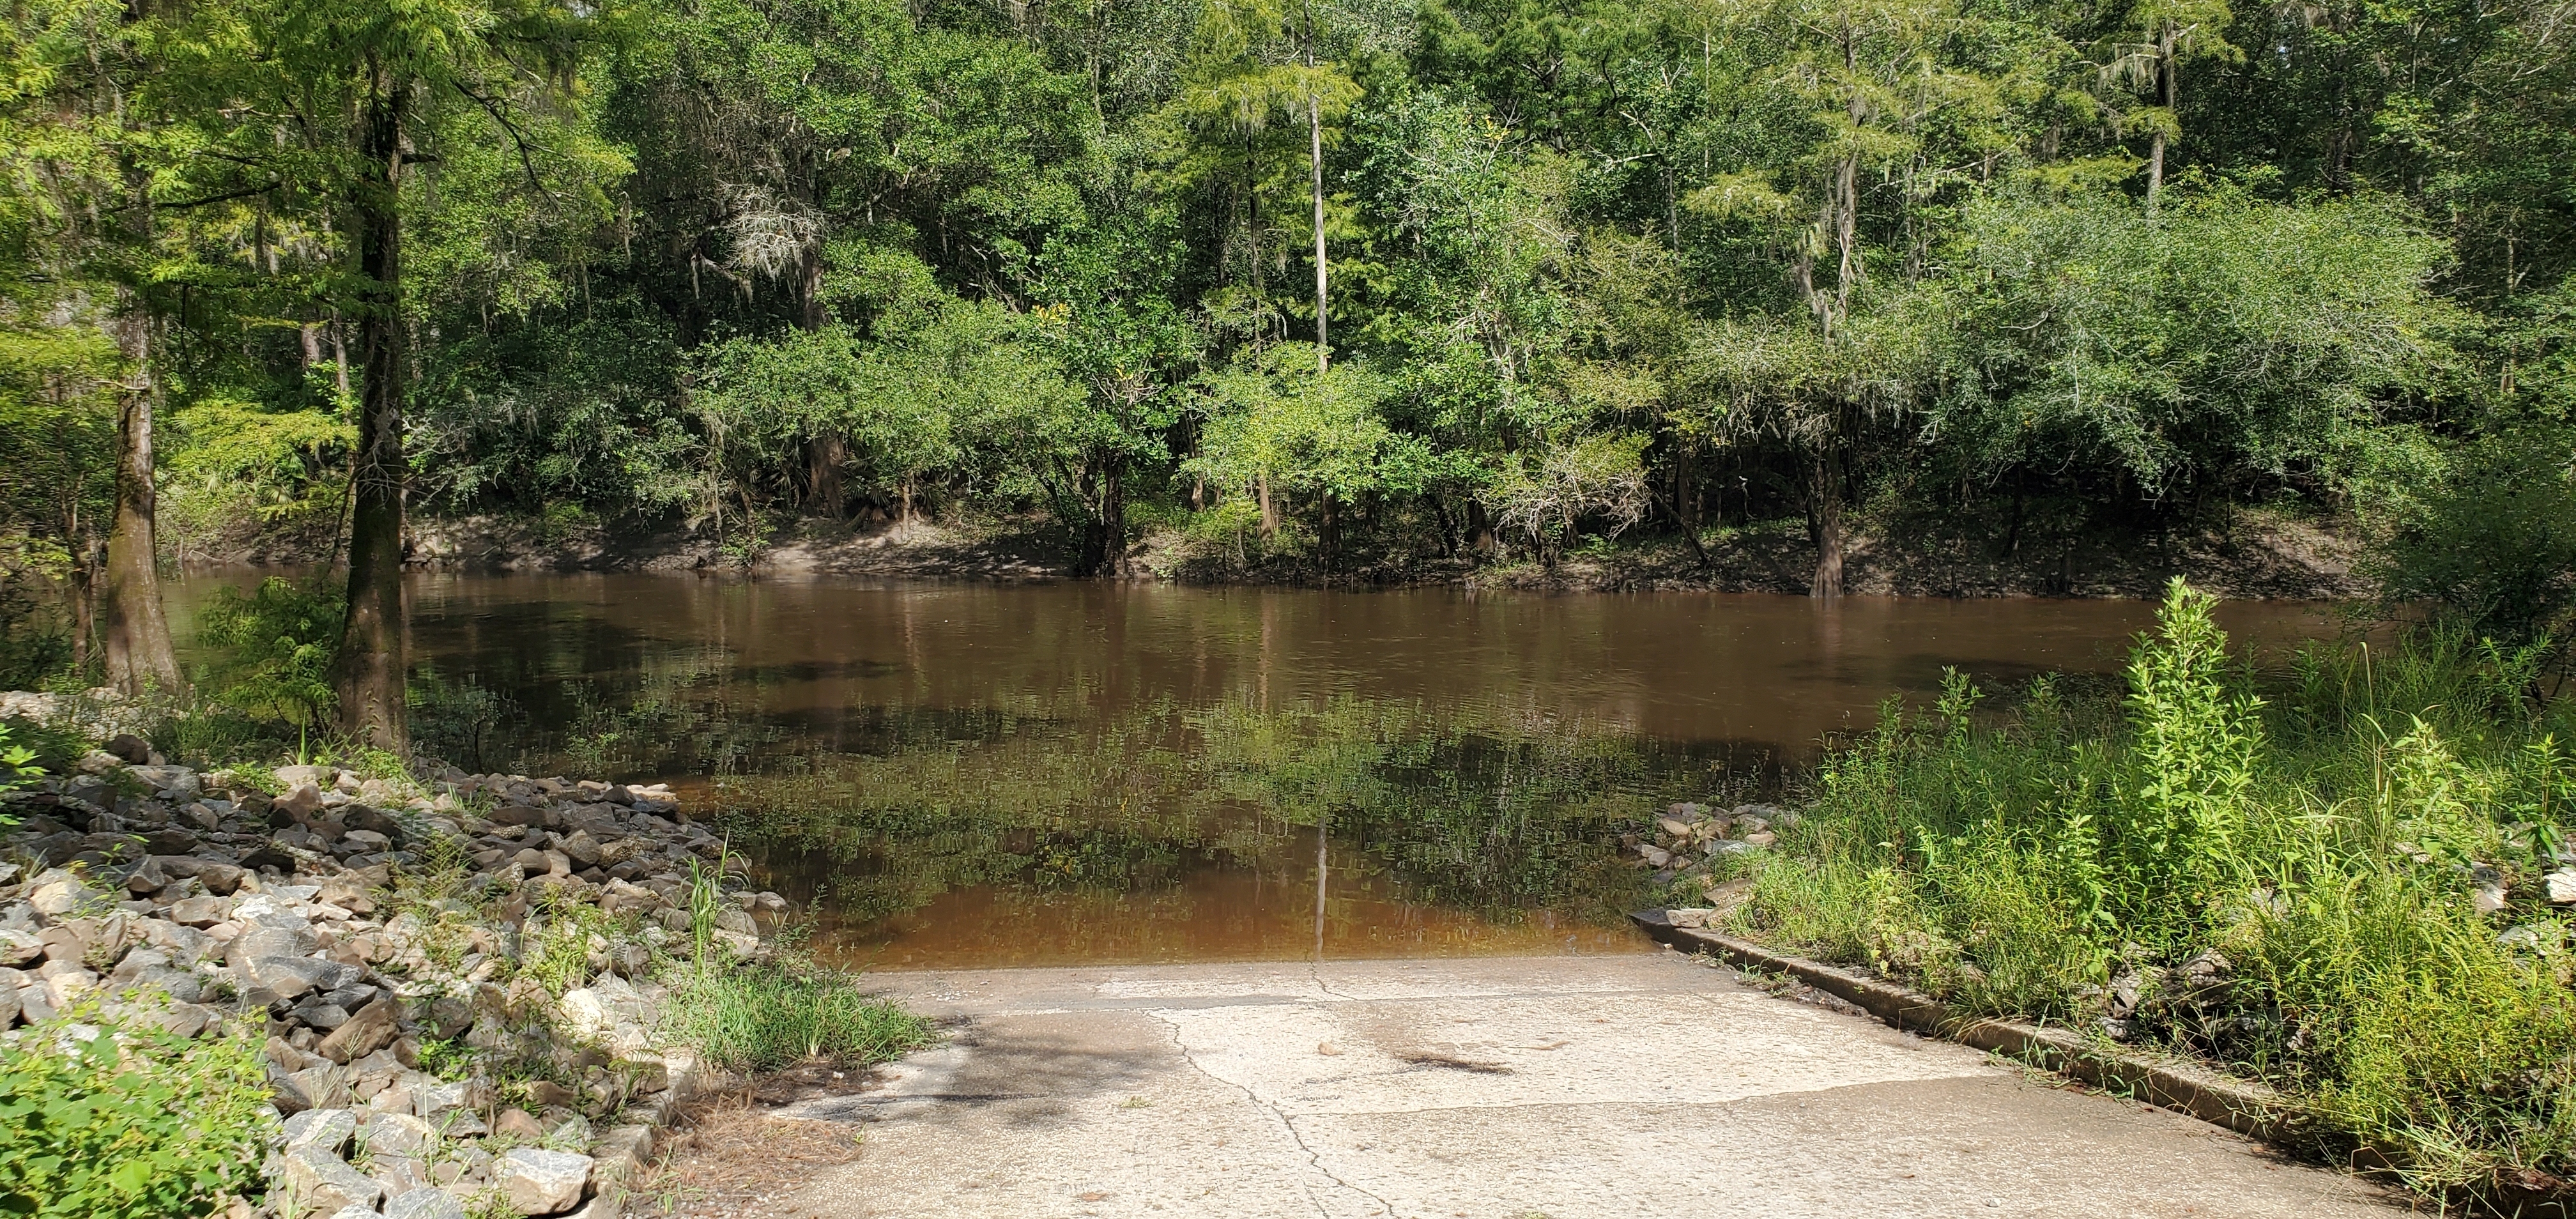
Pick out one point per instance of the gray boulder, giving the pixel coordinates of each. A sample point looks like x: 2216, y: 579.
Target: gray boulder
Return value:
x: 324, y: 1182
x: 282, y: 977
x: 328, y: 1129
x: 537, y: 1182
x: 425, y: 1204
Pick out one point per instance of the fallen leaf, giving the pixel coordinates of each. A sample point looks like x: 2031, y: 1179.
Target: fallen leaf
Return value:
x: 1326, y: 1049
x: 1094, y: 1196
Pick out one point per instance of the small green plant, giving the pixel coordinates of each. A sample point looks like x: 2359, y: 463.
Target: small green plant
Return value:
x: 128, y: 1122
x: 17, y: 763
x: 706, y: 902
x: 2197, y: 746
x: 446, y: 1059
x: 383, y: 765
x: 17, y: 769
x: 440, y: 865
x: 556, y: 948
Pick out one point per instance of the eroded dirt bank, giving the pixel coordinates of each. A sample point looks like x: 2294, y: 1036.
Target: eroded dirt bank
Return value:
x: 2255, y: 554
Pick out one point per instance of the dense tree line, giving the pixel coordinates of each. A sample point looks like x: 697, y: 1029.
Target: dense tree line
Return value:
x: 1326, y: 281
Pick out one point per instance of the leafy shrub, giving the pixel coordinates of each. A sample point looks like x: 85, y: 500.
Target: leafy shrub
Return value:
x: 127, y: 1123
x: 2193, y: 757
x: 763, y: 1017
x: 2486, y: 543
x: 273, y: 650
x: 2334, y: 859
x: 17, y: 769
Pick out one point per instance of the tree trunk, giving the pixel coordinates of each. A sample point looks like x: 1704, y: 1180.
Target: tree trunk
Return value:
x: 1685, y: 504
x: 823, y: 476
x: 1329, y: 529
x: 1480, y: 529
x: 369, y: 671
x: 339, y: 356
x: 1315, y: 163
x: 134, y: 634
x: 2156, y: 146
x: 1269, y: 507
x: 2155, y: 170
x: 85, y: 580
x: 1104, y: 536
x: 1825, y: 524
x: 810, y: 290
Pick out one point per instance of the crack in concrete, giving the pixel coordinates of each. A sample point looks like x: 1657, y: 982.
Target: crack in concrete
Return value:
x: 1313, y: 1157
x: 1315, y: 974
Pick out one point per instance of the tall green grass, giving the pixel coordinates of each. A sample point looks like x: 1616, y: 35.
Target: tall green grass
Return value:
x: 2296, y: 871
x: 763, y: 1017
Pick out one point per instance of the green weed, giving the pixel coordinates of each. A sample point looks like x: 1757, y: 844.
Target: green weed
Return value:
x: 2340, y: 888
x: 107, y: 1122
x: 764, y: 1017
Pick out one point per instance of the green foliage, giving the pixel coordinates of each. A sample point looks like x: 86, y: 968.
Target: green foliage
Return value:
x: 17, y: 763
x: 17, y: 769
x: 949, y: 392
x: 2482, y: 539
x: 706, y: 901
x: 723, y: 264
x: 272, y: 651
x: 557, y: 944
x: 126, y: 1122
x: 2328, y: 845
x: 764, y: 1017
x: 2081, y: 327
x: 240, y: 464
x: 35, y: 641
x: 1272, y: 421
x: 2196, y: 748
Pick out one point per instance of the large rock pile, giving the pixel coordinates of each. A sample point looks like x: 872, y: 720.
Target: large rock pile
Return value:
x: 456, y: 1006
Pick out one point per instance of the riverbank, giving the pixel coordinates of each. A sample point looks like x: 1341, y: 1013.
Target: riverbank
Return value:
x: 428, y: 997
x: 2349, y: 881
x: 2248, y: 554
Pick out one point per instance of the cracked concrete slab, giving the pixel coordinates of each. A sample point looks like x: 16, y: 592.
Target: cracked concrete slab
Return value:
x: 1508, y: 1088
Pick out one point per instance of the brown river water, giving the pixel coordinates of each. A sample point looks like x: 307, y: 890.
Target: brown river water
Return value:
x: 964, y: 774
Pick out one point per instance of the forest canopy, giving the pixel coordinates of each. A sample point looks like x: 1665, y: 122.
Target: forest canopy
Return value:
x: 1331, y: 281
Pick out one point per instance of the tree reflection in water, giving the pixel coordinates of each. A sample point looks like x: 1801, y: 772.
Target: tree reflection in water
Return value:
x: 1194, y: 832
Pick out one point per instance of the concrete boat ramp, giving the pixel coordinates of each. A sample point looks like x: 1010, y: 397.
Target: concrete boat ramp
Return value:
x: 1494, y: 1088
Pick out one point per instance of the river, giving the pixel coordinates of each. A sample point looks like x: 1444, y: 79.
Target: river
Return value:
x: 963, y: 774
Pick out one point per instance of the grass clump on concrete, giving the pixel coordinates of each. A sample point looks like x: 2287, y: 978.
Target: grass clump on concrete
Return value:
x: 779, y: 1011
x: 779, y: 1014
x: 2349, y: 877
